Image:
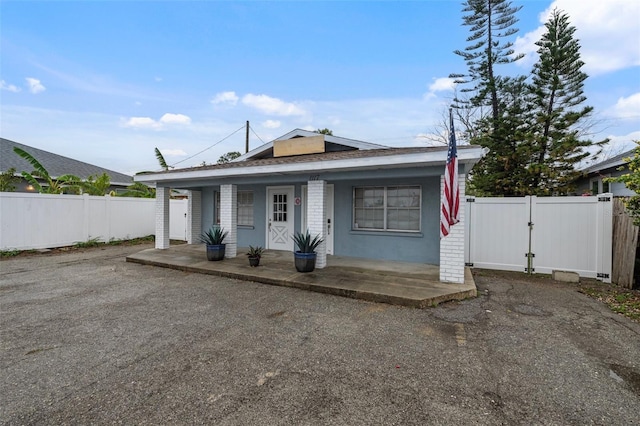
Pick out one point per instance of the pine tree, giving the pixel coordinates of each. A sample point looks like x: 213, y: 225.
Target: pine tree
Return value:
x: 491, y: 22
x: 558, y: 93
x: 503, y: 172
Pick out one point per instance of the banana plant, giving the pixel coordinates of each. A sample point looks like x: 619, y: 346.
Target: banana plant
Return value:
x: 50, y: 185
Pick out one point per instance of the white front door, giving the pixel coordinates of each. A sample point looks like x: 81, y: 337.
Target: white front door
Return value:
x: 280, y: 218
x: 329, y: 225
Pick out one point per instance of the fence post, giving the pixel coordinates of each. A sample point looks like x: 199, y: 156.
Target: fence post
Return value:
x: 468, y: 228
x: 604, y: 240
x: 530, y: 202
x: 86, y: 216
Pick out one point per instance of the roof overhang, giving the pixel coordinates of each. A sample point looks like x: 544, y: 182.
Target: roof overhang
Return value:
x: 468, y: 156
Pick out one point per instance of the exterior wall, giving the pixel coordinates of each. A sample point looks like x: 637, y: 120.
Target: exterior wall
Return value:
x: 194, y: 217
x: 422, y: 247
x: 208, y: 207
x: 419, y: 247
x: 617, y: 189
x: 255, y: 236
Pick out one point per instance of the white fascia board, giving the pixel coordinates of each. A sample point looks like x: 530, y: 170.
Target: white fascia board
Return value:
x: 467, y: 156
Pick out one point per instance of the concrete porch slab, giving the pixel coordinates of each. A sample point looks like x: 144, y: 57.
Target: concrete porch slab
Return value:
x: 398, y: 283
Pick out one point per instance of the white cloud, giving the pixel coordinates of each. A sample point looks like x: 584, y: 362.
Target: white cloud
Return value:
x: 225, y: 98
x: 627, y: 107
x: 35, y: 86
x: 150, y: 123
x: 608, y: 32
x: 169, y: 118
x: 271, y: 124
x: 442, y: 84
x: 142, y: 123
x: 8, y: 87
x: 173, y: 152
x: 268, y: 105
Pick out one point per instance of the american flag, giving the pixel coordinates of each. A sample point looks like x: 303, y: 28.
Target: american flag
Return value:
x: 449, y: 212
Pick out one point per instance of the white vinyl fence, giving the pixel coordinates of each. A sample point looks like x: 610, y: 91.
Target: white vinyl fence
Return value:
x: 36, y: 221
x: 541, y: 234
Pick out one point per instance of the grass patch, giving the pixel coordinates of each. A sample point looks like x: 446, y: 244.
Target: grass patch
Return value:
x: 9, y: 253
x: 92, y: 243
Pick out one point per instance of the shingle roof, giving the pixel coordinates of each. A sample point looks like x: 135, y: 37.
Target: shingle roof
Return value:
x: 616, y: 161
x: 56, y: 165
x: 327, y: 156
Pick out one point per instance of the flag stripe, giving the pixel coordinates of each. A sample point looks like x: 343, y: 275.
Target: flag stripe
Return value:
x: 450, y: 210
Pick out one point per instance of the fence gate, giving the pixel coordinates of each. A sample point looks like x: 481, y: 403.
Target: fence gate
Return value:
x: 541, y: 234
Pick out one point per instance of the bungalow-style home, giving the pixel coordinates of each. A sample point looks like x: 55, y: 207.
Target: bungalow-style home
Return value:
x: 593, y: 180
x: 56, y: 165
x: 365, y: 200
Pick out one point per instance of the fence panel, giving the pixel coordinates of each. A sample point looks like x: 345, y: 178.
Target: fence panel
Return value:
x: 498, y: 236
x: 566, y: 233
x: 36, y: 221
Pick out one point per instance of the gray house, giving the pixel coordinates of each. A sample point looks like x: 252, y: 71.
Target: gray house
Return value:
x: 56, y: 165
x: 594, y: 177
x: 365, y: 200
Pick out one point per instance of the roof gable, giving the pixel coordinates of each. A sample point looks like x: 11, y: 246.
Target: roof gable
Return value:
x: 332, y: 143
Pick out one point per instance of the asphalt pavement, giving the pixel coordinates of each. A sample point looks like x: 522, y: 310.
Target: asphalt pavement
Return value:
x: 86, y: 338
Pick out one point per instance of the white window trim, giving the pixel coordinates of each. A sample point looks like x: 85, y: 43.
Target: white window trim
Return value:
x: 384, y: 229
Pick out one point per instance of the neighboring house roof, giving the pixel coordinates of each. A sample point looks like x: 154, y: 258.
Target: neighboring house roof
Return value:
x: 372, y: 159
x: 56, y: 165
x: 262, y: 150
x: 610, y: 163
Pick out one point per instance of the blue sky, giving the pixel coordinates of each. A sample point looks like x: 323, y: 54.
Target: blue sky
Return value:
x: 108, y: 81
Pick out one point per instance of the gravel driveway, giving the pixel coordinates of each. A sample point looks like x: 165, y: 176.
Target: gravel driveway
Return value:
x: 89, y: 339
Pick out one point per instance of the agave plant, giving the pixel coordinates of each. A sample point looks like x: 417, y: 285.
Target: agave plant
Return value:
x: 214, y: 236
x: 255, y: 251
x: 305, y: 243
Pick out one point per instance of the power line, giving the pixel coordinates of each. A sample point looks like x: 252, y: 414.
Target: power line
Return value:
x: 253, y: 131
x: 206, y: 149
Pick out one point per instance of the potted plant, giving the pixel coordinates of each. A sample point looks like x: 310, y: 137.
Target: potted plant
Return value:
x: 214, y: 239
x: 305, y: 255
x: 254, y: 254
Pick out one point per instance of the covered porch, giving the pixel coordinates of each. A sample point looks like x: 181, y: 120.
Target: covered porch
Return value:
x: 398, y: 283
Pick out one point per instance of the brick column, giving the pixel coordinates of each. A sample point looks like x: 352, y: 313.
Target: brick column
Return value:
x: 194, y: 217
x: 229, y: 218
x: 317, y: 217
x: 162, y: 217
x: 452, y: 246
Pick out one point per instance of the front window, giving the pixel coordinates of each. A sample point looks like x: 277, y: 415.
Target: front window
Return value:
x: 387, y: 208
x: 244, y: 215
